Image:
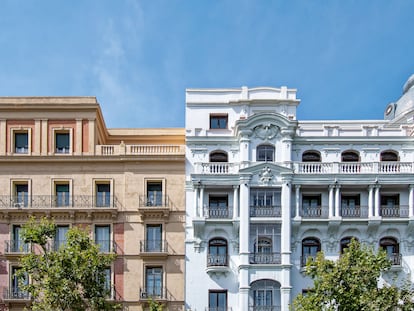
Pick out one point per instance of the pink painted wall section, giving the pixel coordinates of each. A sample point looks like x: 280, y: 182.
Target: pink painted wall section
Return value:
x: 4, y: 278
x: 85, y: 134
x: 119, y: 262
x: 58, y: 124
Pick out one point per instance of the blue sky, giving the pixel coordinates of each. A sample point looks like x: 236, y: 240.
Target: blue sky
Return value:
x: 348, y: 59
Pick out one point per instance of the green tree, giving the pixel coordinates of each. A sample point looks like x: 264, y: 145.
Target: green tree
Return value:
x: 351, y: 283
x: 155, y: 306
x: 69, y: 278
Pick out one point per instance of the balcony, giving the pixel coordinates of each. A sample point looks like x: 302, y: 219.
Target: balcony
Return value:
x: 395, y: 211
x: 265, y: 308
x: 217, y: 264
x: 353, y: 167
x: 218, y: 212
x: 150, y: 150
x: 153, y: 248
x: 216, y: 168
x: 356, y: 211
x: 218, y: 309
x: 150, y: 206
x: 154, y: 293
x: 15, y: 295
x: 316, y: 212
x: 304, y: 259
x: 266, y: 211
x: 15, y: 247
x: 53, y: 201
x: 265, y: 258
x: 107, y: 246
x: 395, y: 258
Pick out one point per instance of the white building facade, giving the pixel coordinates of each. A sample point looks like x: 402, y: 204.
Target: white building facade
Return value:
x: 265, y: 191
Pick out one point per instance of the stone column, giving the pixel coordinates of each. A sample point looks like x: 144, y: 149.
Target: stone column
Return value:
x: 377, y: 204
x: 244, y: 147
x: 79, y: 137
x: 195, y: 202
x: 244, y: 245
x: 46, y: 136
x: 91, y: 137
x: 3, y: 136
x: 337, y: 200
x: 410, y: 201
x: 286, y: 246
x: 235, y: 202
x: 36, y: 137
x: 201, y: 203
x: 370, y: 201
x: 331, y: 203
x: 297, y: 201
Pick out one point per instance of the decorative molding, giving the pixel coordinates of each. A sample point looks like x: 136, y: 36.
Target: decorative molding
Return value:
x: 266, y: 132
x: 266, y: 175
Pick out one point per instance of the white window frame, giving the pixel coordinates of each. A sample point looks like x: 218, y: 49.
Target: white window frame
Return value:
x: 62, y: 130
x: 99, y: 181
x: 12, y: 144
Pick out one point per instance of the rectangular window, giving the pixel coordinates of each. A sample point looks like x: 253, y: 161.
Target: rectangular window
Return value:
x: 103, y: 195
x: 218, y: 121
x: 108, y: 283
x: 154, y: 238
x: 15, y: 288
x: 390, y: 200
x: 103, y: 238
x: 16, y: 244
x: 217, y: 300
x: 153, y: 282
x: 154, y: 193
x: 21, y: 142
x: 62, y: 143
x: 60, y: 238
x: 21, y: 195
x: 62, y: 195
x: 311, y: 205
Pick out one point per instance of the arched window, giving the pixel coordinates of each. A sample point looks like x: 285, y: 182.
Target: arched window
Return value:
x: 350, y: 156
x: 265, y: 295
x: 389, y: 156
x: 311, y: 156
x: 391, y: 246
x: 263, y: 245
x: 310, y: 248
x: 345, y: 242
x: 217, y: 252
x: 265, y: 153
x: 218, y: 156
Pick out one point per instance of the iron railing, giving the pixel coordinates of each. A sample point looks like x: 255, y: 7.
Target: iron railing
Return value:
x: 153, y: 292
x: 218, y: 212
x: 153, y: 246
x: 15, y: 294
x: 217, y: 260
x: 16, y: 246
x: 153, y: 201
x: 266, y: 211
x: 265, y: 258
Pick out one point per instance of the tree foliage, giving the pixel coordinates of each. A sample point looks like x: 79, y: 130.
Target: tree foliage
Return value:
x: 352, y: 283
x: 69, y: 278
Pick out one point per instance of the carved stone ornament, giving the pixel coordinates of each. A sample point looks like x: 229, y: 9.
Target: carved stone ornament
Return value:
x: 266, y: 175
x: 266, y: 131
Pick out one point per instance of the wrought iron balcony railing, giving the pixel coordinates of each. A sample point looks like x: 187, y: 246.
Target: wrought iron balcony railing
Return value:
x: 57, y: 201
x: 264, y: 308
x: 16, y: 246
x: 265, y: 258
x: 315, y: 212
x: 266, y: 211
x: 395, y: 258
x: 153, y: 292
x: 153, y: 246
x: 153, y: 201
x: 107, y: 246
x: 15, y: 294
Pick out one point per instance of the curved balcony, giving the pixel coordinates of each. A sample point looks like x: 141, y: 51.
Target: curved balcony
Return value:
x: 217, y: 264
x: 265, y: 258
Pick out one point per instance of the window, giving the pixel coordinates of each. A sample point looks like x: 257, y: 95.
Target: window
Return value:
x: 345, y: 242
x: 311, y: 205
x: 21, y: 195
x: 263, y: 245
x: 103, y: 195
x: 154, y: 193
x: 265, y: 203
x: 218, y: 206
x: 16, y: 291
x: 310, y: 248
x: 62, y: 195
x: 218, y: 121
x: 390, y: 245
x: 265, y: 153
x: 350, y: 206
x: 17, y: 245
x: 350, y: 156
x: 60, y: 238
x: 311, y: 156
x: 153, y: 242
x: 62, y: 142
x: 217, y: 252
x: 103, y: 237
x: 21, y: 142
x: 217, y: 300
x: 218, y: 156
x: 108, y: 283
x: 153, y: 282
x: 389, y: 156
x: 265, y: 295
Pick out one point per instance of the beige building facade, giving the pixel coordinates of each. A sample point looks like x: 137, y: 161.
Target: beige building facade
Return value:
x: 58, y: 159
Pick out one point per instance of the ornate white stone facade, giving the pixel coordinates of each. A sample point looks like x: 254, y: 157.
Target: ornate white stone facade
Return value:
x: 265, y: 191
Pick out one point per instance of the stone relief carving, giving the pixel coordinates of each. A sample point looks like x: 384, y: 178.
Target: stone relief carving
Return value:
x: 266, y: 131
x: 266, y: 175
